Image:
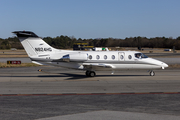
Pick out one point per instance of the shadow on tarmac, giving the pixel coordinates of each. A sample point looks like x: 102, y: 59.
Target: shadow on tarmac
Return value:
x: 78, y: 76
x: 74, y: 76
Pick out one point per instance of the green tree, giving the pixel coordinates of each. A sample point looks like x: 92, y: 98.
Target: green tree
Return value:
x: 5, y: 44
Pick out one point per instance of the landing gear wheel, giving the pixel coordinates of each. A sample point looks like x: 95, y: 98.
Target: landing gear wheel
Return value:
x: 152, y: 73
x: 90, y: 73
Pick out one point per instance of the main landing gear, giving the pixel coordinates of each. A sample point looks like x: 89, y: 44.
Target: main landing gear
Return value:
x: 90, y: 73
x: 152, y: 73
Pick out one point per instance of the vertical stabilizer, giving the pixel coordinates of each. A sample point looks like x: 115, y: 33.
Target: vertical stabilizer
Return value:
x: 33, y: 44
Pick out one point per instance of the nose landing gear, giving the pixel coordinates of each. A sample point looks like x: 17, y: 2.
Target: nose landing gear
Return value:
x: 152, y: 73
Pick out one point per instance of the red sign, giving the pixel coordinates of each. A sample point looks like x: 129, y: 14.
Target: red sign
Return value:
x: 13, y: 62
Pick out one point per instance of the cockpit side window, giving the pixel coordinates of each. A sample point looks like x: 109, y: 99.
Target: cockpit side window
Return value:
x: 143, y: 55
x: 140, y: 55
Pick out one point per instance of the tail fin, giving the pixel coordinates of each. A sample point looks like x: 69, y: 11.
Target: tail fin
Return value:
x: 33, y: 44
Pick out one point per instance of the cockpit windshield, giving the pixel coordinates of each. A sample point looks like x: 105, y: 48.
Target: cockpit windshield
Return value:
x: 140, y: 55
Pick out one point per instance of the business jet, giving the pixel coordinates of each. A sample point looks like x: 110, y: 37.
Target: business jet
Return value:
x: 43, y: 54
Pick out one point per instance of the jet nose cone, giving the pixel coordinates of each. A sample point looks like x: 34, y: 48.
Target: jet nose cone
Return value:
x: 164, y: 65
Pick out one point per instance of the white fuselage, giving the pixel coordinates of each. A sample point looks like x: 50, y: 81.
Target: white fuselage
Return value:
x: 99, y: 60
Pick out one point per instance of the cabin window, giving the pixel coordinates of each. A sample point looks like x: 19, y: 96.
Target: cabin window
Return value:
x: 105, y: 57
x: 121, y: 57
x: 97, y: 57
x: 130, y: 57
x: 90, y: 57
x: 113, y: 57
x: 140, y: 55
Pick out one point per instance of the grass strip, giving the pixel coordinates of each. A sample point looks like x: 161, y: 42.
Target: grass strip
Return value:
x: 174, y: 66
x: 5, y: 65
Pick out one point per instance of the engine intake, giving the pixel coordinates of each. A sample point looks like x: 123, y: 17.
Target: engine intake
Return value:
x: 75, y: 57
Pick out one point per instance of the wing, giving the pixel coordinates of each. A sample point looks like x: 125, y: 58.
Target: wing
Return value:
x: 97, y: 66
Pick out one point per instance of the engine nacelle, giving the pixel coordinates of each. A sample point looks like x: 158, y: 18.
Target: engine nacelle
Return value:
x: 75, y: 57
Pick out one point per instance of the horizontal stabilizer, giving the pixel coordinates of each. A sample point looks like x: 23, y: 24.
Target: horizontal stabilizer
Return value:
x: 38, y: 63
x: 25, y: 34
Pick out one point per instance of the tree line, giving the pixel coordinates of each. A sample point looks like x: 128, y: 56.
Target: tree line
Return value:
x: 65, y: 42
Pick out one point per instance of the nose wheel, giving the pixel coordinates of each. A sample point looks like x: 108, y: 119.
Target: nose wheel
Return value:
x: 152, y: 73
x: 90, y: 73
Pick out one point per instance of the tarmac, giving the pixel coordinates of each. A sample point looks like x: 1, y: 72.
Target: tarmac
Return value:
x: 59, y: 93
